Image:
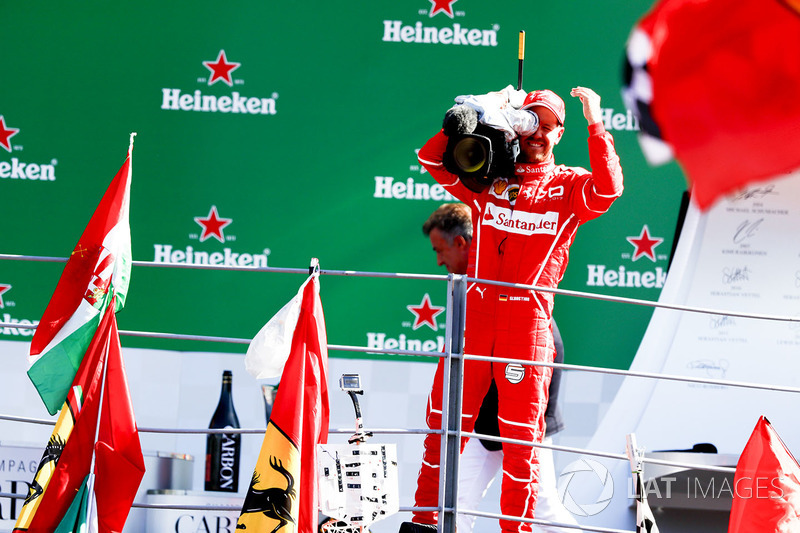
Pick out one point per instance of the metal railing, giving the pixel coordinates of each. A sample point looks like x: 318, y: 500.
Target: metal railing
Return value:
x: 454, y: 358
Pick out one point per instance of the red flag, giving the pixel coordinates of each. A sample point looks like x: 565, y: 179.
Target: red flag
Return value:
x: 718, y: 81
x: 298, y: 422
x: 766, y: 495
x: 119, y: 464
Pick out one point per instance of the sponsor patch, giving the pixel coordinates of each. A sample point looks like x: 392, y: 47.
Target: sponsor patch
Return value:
x: 517, y: 221
x: 499, y: 187
x: 515, y: 372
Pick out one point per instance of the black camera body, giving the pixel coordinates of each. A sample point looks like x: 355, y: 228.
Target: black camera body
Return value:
x: 476, y: 153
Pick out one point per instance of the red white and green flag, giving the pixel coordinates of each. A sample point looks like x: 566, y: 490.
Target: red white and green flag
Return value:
x: 78, y: 518
x: 98, y: 269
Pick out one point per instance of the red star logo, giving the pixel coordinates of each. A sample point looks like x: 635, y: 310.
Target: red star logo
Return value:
x: 3, y: 288
x: 212, y: 225
x: 6, y: 134
x: 445, y: 6
x: 644, y: 244
x: 425, y: 313
x: 221, y: 69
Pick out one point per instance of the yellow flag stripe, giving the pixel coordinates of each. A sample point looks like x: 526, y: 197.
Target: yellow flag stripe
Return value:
x: 47, y: 465
x: 271, y: 499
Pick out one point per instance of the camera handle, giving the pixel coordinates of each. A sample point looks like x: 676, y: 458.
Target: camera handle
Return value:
x: 521, y: 58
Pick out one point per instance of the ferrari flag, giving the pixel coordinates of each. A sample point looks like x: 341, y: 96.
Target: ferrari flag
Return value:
x: 715, y: 83
x: 281, y: 493
x: 66, y: 462
x: 98, y: 269
x: 766, y: 494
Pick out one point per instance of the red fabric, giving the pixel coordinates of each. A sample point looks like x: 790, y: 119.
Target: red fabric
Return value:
x: 80, y: 267
x: 301, y: 408
x: 725, y: 77
x: 119, y: 465
x: 766, y: 495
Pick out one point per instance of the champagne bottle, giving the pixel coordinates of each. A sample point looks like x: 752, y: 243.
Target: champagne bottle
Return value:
x: 269, y: 392
x: 223, y: 449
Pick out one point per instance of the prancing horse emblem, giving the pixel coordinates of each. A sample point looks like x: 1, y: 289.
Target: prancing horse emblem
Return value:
x: 274, y: 502
x: 52, y: 453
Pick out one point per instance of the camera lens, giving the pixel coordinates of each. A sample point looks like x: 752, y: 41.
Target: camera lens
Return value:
x: 470, y: 154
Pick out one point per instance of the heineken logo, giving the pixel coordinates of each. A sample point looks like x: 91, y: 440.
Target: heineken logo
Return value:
x: 3, y: 289
x: 457, y: 34
x: 644, y: 245
x: 425, y: 313
x: 411, y: 189
x: 6, y: 133
x: 17, y: 169
x: 221, y: 69
x: 7, y: 318
x: 218, y: 70
x: 616, y: 121
x: 17, y: 332
x: 382, y: 341
x: 212, y: 225
x: 396, y: 31
x: 212, y: 228
x: 388, y: 187
x: 167, y: 253
x: 442, y: 6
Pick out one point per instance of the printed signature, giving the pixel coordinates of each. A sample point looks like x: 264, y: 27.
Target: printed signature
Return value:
x: 713, y: 369
x: 755, y: 192
x: 733, y: 275
x: 716, y: 322
x: 746, y: 230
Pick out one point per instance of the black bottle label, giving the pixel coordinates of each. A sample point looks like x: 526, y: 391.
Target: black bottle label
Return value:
x: 222, y: 449
x: 222, y: 462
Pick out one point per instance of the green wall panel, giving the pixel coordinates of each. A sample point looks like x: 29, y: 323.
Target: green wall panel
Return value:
x: 346, y: 109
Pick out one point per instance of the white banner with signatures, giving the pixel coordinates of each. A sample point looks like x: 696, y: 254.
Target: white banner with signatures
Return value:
x: 742, y: 256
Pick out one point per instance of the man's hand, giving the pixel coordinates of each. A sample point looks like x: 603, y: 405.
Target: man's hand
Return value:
x: 591, y: 104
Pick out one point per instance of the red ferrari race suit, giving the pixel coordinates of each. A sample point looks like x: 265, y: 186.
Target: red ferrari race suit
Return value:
x: 522, y: 230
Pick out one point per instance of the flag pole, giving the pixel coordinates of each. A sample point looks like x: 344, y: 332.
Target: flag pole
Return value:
x: 90, y: 482
x: 91, y: 478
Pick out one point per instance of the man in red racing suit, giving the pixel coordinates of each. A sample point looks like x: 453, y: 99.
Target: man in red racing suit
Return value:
x: 523, y: 228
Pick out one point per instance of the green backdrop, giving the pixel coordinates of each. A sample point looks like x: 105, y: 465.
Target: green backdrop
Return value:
x: 327, y: 106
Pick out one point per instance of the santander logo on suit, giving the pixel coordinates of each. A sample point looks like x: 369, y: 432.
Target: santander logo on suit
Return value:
x: 516, y: 221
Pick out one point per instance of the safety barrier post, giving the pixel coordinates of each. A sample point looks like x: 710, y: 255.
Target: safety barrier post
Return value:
x: 453, y: 381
